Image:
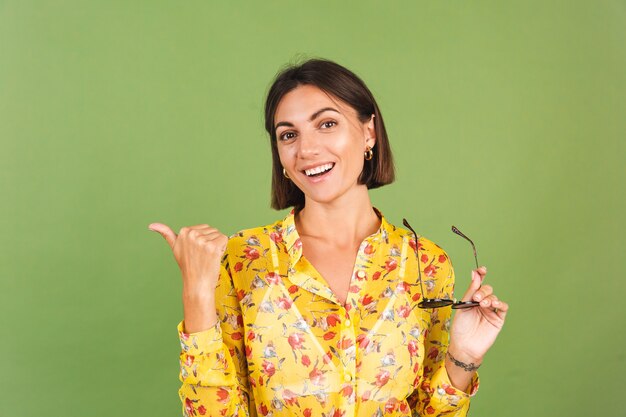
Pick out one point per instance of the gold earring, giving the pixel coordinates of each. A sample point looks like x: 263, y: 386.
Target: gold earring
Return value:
x: 369, y: 153
x: 285, y: 174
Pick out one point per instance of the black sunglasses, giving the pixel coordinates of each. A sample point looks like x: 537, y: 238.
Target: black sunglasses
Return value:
x: 441, y: 302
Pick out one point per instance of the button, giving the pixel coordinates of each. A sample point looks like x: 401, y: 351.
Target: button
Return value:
x: 347, y: 323
x: 348, y: 377
x: 360, y: 274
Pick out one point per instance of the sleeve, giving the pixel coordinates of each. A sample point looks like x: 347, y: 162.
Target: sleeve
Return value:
x: 436, y: 395
x: 213, y: 367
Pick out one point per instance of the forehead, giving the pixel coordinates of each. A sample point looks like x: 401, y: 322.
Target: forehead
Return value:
x: 298, y: 104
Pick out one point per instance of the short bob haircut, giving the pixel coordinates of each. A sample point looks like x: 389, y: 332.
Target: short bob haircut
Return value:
x: 343, y: 84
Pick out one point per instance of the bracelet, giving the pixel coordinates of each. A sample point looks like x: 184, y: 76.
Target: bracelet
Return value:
x: 467, y: 367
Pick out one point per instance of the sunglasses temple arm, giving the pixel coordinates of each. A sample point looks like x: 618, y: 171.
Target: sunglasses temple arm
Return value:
x: 475, y: 256
x: 419, y: 268
x: 458, y: 232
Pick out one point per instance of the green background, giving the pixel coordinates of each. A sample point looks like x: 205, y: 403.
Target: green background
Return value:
x: 507, y: 119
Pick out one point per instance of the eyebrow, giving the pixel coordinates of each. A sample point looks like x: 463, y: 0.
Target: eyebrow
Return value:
x: 313, y: 116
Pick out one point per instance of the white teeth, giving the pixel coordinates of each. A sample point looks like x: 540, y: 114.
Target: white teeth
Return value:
x: 318, y: 169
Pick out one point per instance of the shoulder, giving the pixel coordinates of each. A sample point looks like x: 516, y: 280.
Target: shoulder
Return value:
x: 258, y: 236
x: 425, y: 246
x: 434, y: 263
x: 247, y: 248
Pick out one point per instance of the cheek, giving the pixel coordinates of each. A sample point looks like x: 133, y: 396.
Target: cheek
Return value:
x: 344, y: 143
x: 353, y: 155
x: 285, y: 154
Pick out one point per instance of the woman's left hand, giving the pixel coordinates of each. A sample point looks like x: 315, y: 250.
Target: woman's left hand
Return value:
x: 475, y: 329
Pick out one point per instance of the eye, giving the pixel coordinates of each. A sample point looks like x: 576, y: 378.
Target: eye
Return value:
x: 328, y: 124
x: 286, y: 135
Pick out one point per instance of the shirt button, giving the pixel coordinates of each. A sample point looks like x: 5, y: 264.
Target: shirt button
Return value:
x: 360, y: 274
x: 348, y: 377
x: 347, y: 323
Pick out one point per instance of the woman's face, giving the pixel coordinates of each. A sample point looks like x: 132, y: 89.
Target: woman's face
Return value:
x: 321, y: 142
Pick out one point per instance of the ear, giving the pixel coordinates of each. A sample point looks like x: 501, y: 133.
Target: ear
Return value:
x: 370, y: 131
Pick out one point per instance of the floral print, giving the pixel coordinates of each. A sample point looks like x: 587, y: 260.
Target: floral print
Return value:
x: 285, y: 346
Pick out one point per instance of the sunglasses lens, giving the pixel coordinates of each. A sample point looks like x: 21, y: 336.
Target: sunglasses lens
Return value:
x: 434, y: 303
x: 464, y: 304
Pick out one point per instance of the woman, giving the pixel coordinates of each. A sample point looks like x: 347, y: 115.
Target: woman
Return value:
x: 316, y: 314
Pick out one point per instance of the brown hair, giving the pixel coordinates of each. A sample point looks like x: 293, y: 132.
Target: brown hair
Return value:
x: 342, y: 83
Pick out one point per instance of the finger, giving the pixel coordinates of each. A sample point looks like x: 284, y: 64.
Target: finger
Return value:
x: 216, y: 237
x: 210, y: 234
x: 222, y: 240
x: 200, y: 227
x: 489, y: 301
x: 198, y: 231
x: 165, y: 231
x: 501, y: 308
x: 484, y: 292
x: 482, y: 271
x: 492, y: 307
x: 474, y: 286
x: 196, y: 228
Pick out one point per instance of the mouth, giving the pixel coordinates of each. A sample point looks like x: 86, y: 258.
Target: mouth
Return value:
x: 319, y: 170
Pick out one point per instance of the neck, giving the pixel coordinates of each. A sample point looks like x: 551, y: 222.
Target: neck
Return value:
x: 344, y: 222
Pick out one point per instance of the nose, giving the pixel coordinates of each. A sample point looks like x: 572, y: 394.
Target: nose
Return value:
x: 309, y: 145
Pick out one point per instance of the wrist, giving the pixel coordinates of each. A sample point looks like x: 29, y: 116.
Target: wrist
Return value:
x: 199, y: 310
x: 466, y: 364
x: 464, y: 356
x: 461, y: 367
x: 200, y: 294
x: 199, y: 317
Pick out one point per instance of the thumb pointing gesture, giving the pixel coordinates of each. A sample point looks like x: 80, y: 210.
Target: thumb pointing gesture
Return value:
x: 198, y: 251
x: 165, y: 231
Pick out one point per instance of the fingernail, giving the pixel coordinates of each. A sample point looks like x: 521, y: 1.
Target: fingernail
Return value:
x: 477, y: 297
x: 485, y: 302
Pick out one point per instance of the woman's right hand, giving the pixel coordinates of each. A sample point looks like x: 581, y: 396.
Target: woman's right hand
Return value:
x: 198, y: 251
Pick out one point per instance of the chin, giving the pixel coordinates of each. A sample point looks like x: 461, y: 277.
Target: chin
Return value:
x: 323, y: 198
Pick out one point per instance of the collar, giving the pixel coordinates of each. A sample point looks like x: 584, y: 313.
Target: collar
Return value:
x: 293, y: 244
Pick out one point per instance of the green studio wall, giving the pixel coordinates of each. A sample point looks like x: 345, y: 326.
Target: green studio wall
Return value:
x: 506, y: 118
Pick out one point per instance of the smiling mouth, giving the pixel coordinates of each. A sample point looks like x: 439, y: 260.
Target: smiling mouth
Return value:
x: 320, y: 170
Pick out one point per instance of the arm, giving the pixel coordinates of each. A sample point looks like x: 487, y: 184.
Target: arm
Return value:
x: 213, y: 368
x: 436, y: 393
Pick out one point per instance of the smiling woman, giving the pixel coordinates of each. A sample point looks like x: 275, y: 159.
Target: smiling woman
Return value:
x: 326, y: 144
x: 319, y: 99
x: 317, y: 314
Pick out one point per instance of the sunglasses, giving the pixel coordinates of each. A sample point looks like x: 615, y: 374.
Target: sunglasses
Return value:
x: 441, y: 302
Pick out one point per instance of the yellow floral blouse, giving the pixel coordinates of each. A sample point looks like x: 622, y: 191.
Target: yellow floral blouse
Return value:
x: 285, y: 346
